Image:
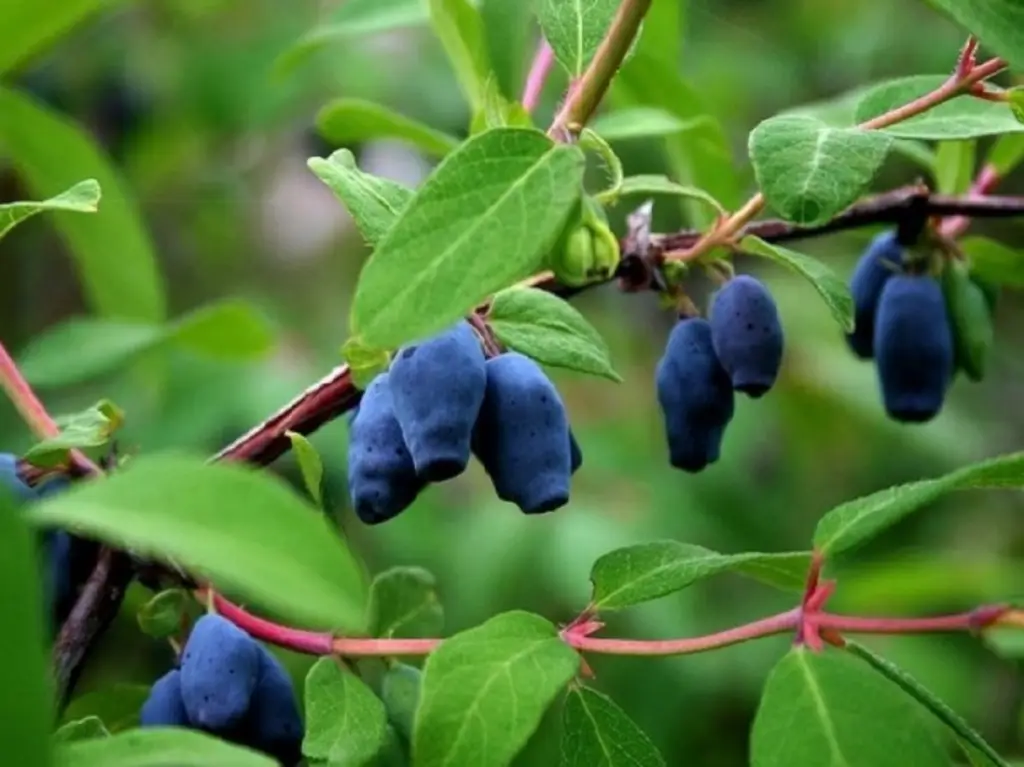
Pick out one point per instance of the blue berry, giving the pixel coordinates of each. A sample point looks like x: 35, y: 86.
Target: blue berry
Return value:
x: 16, y: 486
x: 219, y: 671
x: 913, y: 348
x: 274, y: 725
x: 382, y: 479
x: 880, y: 261
x: 695, y: 394
x: 747, y: 335
x: 164, y: 707
x: 521, y: 437
x: 437, y: 388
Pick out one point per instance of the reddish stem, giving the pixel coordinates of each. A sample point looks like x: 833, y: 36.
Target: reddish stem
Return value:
x: 538, y: 75
x: 309, y: 642
x: 969, y: 621
x: 986, y: 181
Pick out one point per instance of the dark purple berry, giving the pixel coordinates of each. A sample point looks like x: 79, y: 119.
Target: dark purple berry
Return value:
x: 880, y: 261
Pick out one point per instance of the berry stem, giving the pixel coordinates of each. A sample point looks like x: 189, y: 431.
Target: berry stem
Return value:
x: 538, y: 75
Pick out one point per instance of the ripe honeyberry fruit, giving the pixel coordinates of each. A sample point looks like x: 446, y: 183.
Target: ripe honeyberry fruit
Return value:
x: 164, y: 707
x: 382, y: 479
x: 880, y: 261
x: 437, y: 388
x: 219, y: 671
x: 747, y: 335
x: 913, y: 348
x: 274, y: 725
x: 521, y: 437
x: 695, y: 394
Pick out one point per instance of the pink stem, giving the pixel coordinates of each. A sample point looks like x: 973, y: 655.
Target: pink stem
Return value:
x: 539, y: 70
x: 986, y: 181
x: 309, y: 642
x: 969, y: 621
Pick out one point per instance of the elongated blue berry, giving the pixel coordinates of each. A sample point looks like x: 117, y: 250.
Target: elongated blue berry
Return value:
x: 695, y: 394
x: 913, y: 348
x: 382, y: 479
x: 747, y: 334
x: 880, y: 261
x: 164, y: 707
x: 522, y: 435
x: 437, y: 388
x: 219, y: 670
x: 274, y: 725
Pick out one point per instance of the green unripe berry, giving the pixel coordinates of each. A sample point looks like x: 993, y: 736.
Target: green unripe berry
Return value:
x: 587, y: 250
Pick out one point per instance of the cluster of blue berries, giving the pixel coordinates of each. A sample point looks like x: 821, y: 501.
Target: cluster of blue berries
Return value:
x: 442, y: 401
x: 231, y: 686
x: 903, y: 322
x: 67, y: 559
x: 739, y: 348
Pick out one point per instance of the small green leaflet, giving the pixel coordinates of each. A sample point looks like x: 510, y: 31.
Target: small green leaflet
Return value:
x: 575, y: 29
x: 963, y: 117
x: 161, y: 617
x: 927, y: 699
x: 88, y: 429
x: 310, y: 465
x: 374, y: 203
x: 856, y: 521
x: 400, y: 691
x: 498, y: 112
x: 243, y: 529
x: 1015, y: 97
x: 510, y: 37
x: 644, y: 122
x: 485, y: 690
x: 657, y: 184
x: 970, y: 319
x: 25, y: 706
x: 460, y: 28
x: 404, y: 603
x: 364, y: 363
x: 117, y: 705
x: 589, y: 140
x: 998, y: 24
x: 597, y: 733
x: 829, y: 285
x: 548, y: 329
x: 994, y: 261
x: 482, y: 221
x: 649, y: 571
x: 1006, y: 153
x: 345, y: 721
x: 954, y: 166
x: 809, y: 171
x: 81, y: 729
x: 83, y: 197
x: 830, y: 708
x: 83, y: 348
x: 158, y: 747
x: 349, y: 121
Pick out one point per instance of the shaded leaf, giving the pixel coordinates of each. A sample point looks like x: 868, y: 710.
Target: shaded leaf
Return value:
x: 117, y: 705
x: 856, y: 521
x: 81, y: 729
x: 954, y: 166
x: 1006, y: 153
x: 597, y: 733
x: 995, y: 262
x: 459, y: 27
x: 644, y: 122
x: 548, y: 329
x: 230, y: 329
x: 345, y: 721
x: 998, y: 24
x: 159, y: 747
x: 310, y: 465
x: 243, y: 529
x: 400, y: 691
x: 970, y: 319
x: 485, y: 690
x: 655, y: 184
x: 509, y: 36
x: 161, y: 617
x: 83, y: 197
x: 404, y: 603
x: 350, y: 121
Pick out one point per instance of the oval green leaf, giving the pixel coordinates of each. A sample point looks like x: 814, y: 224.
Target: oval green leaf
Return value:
x: 349, y: 121
x: 575, y: 29
x: 159, y: 747
x: 970, y: 319
x: 998, y: 24
x: 597, y: 733
x: 642, y: 123
x: 83, y: 197
x: 243, y: 529
x: 310, y: 464
x: 995, y: 262
x: 460, y: 28
x: 345, y: 722
x: 404, y: 603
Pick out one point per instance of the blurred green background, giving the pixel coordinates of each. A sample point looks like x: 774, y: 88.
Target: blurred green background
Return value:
x: 180, y: 92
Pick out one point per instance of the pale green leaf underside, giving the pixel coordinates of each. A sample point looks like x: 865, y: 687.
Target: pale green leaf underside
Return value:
x: 575, y: 28
x: 350, y: 121
x: 159, y: 747
x: 644, y: 122
x: 83, y: 197
x: 345, y: 722
x: 662, y: 185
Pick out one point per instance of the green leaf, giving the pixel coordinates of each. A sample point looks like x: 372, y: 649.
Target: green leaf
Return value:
x: 829, y: 708
x: 83, y: 197
x: 1015, y: 98
x: 460, y: 28
x: 498, y: 112
x: 485, y: 690
x: 81, y: 729
x: 856, y: 521
x: 241, y: 528
x: 345, y: 721
x: 970, y: 319
x: 998, y: 24
x: 310, y: 465
x: 90, y: 428
x: 589, y: 140
x: 928, y: 699
x: 1005, y: 641
x: 829, y: 285
x: 229, y: 330
x: 656, y: 184
x: 349, y: 121
x: 702, y: 157
x: 643, y: 123
x: 400, y: 691
x: 964, y: 117
x: 365, y: 363
x: 509, y: 41
x: 649, y: 571
x: 1006, y: 153
x: 28, y: 29
x: 809, y: 171
x: 25, y: 707
x: 954, y: 166
x: 404, y: 603
x: 161, y: 617
x: 548, y: 329
x: 159, y: 747
x: 374, y: 203
x: 995, y: 262
x: 597, y: 733
x: 52, y: 153
x: 117, y: 705
x: 483, y: 220
x: 575, y: 29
